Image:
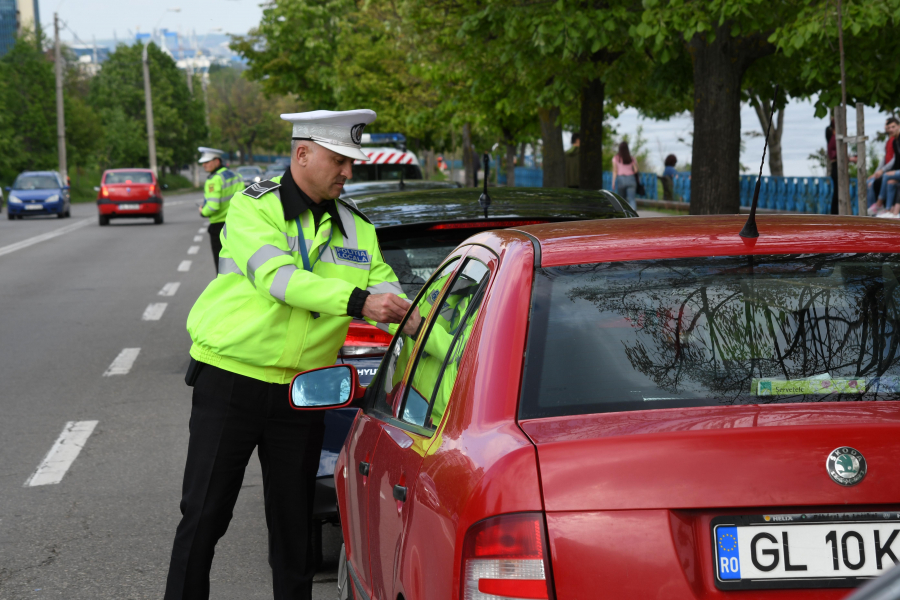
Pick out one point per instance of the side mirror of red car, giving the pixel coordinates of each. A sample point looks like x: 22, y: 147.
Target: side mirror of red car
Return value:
x: 335, y: 386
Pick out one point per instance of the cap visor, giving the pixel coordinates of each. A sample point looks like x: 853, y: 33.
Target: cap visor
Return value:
x: 354, y: 153
x: 206, y: 158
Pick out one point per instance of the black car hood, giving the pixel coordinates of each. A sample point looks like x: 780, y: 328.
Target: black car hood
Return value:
x: 462, y: 204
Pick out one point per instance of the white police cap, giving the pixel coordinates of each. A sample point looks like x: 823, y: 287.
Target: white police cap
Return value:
x: 339, y: 131
x: 207, y: 154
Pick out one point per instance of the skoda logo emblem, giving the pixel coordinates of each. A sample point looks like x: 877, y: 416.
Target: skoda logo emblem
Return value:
x: 356, y: 133
x: 846, y: 466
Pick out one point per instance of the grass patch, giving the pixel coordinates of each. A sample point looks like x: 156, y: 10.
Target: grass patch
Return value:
x: 176, y: 182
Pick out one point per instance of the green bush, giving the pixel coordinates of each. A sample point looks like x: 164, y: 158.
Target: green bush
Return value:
x: 82, y: 181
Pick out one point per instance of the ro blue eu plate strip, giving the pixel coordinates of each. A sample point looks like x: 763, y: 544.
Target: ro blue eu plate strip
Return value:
x: 729, y: 562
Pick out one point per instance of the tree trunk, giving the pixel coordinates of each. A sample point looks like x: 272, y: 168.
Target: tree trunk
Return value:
x: 763, y: 109
x: 715, y: 162
x: 468, y: 156
x: 590, y: 153
x: 554, y: 156
x: 522, y: 147
x: 510, y: 165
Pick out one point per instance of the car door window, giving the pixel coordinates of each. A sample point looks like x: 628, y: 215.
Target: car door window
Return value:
x: 435, y: 370
x: 388, y: 381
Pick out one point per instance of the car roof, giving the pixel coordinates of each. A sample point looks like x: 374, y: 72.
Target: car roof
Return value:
x: 461, y: 204
x: 675, y: 237
x: 127, y: 169
x: 54, y: 173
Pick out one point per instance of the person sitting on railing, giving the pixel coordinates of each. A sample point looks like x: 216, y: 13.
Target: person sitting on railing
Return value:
x: 668, y: 178
x: 876, y: 184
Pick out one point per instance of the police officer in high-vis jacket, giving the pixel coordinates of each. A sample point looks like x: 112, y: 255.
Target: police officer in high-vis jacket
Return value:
x: 220, y: 186
x: 296, y: 264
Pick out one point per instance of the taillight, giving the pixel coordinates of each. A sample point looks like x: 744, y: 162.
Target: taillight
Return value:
x: 364, y: 339
x: 153, y: 190
x: 104, y: 191
x: 505, y: 556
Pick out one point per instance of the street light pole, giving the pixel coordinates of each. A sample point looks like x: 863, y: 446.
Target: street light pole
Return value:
x: 60, y: 112
x: 151, y: 132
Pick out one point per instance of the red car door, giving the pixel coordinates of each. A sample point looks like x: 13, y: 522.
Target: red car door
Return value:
x: 419, y: 403
x: 361, y: 447
x: 363, y: 471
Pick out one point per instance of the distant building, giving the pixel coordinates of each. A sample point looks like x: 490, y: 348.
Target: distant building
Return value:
x: 16, y: 16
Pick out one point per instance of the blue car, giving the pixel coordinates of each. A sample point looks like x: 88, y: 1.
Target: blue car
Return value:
x: 38, y: 193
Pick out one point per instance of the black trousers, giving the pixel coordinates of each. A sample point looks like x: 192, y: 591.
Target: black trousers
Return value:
x: 214, y: 230
x: 230, y: 416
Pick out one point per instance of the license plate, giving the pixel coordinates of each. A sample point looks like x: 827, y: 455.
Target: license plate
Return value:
x: 803, y: 550
x: 34, y: 207
x: 129, y: 207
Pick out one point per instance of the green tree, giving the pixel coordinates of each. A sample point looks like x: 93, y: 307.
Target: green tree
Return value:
x: 118, y: 89
x: 27, y: 110
x: 242, y: 117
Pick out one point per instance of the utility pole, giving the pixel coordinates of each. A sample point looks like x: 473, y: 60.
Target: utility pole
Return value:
x: 840, y: 123
x: 861, y: 175
x: 151, y: 132
x: 60, y: 112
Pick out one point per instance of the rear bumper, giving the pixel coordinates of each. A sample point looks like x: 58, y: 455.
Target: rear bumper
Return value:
x: 43, y: 208
x: 146, y: 208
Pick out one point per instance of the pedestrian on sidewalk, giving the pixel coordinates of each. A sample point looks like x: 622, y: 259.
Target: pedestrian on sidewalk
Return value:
x: 624, y: 168
x: 220, y: 186
x: 297, y: 264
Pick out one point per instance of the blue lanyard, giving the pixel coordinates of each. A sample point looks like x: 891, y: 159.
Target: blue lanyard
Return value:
x: 304, y: 254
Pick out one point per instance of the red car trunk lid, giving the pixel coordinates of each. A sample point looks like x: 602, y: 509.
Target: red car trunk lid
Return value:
x: 720, y: 457
x: 130, y: 191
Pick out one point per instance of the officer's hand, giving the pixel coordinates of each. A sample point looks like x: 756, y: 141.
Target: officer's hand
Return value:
x: 385, y: 308
x: 413, y: 323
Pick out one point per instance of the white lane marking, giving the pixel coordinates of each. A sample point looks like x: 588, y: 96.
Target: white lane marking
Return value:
x: 43, y: 237
x: 170, y: 288
x: 175, y: 203
x: 123, y: 363
x: 154, y: 311
x: 201, y: 230
x: 63, y: 453
x: 184, y: 266
x: 193, y: 249
x: 198, y: 238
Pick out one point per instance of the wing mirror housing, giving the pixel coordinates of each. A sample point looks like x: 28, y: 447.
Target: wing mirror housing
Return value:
x: 335, y: 386
x: 165, y: 186
x: 96, y: 188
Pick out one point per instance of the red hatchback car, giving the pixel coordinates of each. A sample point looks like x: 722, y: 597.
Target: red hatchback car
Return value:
x: 129, y: 194
x: 638, y: 408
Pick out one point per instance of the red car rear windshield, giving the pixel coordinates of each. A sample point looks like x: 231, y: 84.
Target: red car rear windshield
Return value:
x: 673, y: 333
x: 128, y: 177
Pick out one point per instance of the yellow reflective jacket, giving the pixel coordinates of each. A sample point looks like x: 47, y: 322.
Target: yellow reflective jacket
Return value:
x: 265, y: 315
x: 217, y: 192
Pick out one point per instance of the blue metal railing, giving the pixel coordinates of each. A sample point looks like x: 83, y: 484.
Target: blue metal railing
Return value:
x: 795, y: 194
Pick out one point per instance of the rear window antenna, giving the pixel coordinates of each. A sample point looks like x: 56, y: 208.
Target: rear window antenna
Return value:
x: 485, y: 200
x: 749, y: 230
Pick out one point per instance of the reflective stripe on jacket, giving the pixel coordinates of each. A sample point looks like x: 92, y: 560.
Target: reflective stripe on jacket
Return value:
x: 266, y: 317
x: 217, y: 192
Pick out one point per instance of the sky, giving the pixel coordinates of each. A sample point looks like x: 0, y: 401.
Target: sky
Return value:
x: 101, y: 18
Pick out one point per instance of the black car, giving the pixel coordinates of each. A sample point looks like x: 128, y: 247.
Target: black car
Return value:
x: 416, y: 231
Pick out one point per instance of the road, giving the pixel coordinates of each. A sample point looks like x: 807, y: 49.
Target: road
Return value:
x: 73, y: 297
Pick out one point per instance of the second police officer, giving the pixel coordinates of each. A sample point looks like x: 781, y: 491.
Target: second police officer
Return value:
x: 297, y: 264
x: 220, y: 186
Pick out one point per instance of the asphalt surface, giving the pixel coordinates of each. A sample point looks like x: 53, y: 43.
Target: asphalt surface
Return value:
x: 72, y: 297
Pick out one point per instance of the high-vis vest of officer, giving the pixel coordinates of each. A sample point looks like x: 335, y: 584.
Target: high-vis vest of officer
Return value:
x: 217, y: 193
x: 279, y: 303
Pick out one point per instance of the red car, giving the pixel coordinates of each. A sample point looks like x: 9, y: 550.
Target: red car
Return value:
x: 129, y: 194
x: 635, y: 408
